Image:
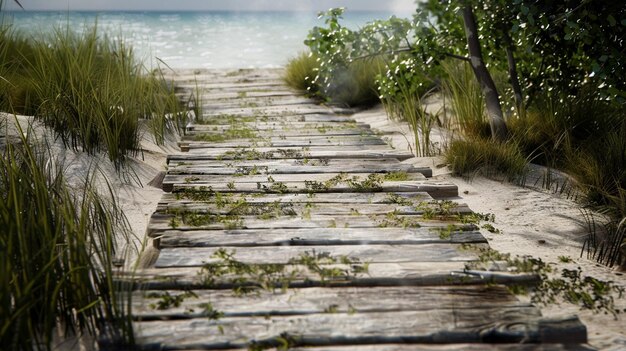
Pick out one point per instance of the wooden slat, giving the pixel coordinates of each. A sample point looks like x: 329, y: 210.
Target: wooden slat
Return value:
x: 298, y: 209
x: 160, y: 222
x: 318, y: 198
x: 433, y: 188
x: 228, y: 95
x: 277, y: 142
x: 377, y: 163
x: 443, y: 273
x: 238, y: 83
x: 319, y: 300
x: 514, y: 324
x: 193, y: 130
x: 311, y: 167
x: 453, y: 347
x: 277, y: 125
x: 298, y: 138
x: 297, y: 153
x: 185, y: 257
x: 276, y: 177
x: 317, y: 237
x: 236, y: 101
x: 276, y: 110
x: 303, y: 150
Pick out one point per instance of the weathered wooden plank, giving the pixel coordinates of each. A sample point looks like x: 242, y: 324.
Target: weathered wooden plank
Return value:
x: 212, y: 76
x: 241, y: 82
x: 234, y: 154
x: 514, y: 324
x: 321, y: 198
x: 270, y: 94
x: 318, y: 237
x: 271, y: 110
x: 187, y: 145
x: 185, y: 257
x: 197, y: 138
x: 249, y: 176
x: 160, y: 222
x: 248, y: 108
x: 245, y: 100
x: 192, y: 130
x: 277, y: 124
x: 321, y: 300
x: 304, y: 140
x: 269, y: 211
x: 286, y: 151
x: 283, y: 119
x: 452, y: 347
x: 377, y: 163
x: 434, y: 189
x: 312, y: 118
x: 443, y: 273
x: 205, y: 81
x: 311, y: 166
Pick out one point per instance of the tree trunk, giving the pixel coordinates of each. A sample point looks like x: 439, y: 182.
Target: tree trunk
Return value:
x: 513, y: 76
x: 494, y: 109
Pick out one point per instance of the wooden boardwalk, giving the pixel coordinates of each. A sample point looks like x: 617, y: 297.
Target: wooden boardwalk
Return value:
x: 288, y: 224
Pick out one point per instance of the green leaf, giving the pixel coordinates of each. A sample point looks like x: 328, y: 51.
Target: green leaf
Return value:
x: 611, y: 20
x: 595, y: 67
x: 524, y: 9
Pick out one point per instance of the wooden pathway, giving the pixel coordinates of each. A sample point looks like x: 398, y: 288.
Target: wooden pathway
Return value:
x: 288, y: 224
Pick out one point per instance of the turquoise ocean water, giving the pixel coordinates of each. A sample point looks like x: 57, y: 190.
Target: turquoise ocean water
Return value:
x: 197, y: 39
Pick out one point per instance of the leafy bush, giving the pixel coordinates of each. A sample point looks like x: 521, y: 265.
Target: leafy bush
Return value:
x: 349, y: 62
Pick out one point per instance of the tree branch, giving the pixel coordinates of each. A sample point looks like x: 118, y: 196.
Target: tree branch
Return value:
x: 459, y: 57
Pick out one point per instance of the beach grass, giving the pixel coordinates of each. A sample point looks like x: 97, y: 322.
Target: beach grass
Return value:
x: 59, y: 247
x: 89, y: 88
x: 354, y: 85
x: 466, y: 99
x: 300, y: 72
x: 482, y: 155
x: 59, y: 242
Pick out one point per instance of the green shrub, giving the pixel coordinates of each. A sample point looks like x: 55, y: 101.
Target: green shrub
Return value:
x: 474, y: 155
x: 356, y: 84
x: 300, y: 72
